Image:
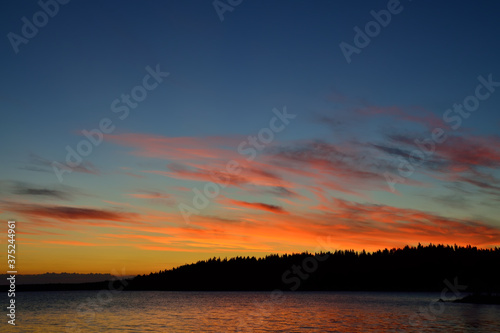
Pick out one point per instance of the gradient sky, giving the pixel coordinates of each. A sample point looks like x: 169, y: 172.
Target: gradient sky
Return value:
x: 320, y: 183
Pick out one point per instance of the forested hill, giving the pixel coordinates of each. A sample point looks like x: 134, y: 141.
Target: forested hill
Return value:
x: 421, y: 268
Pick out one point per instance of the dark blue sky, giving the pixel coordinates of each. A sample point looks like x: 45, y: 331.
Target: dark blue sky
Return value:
x: 226, y: 77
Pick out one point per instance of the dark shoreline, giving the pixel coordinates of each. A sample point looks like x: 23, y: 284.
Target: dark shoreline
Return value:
x: 105, y: 285
x: 480, y: 299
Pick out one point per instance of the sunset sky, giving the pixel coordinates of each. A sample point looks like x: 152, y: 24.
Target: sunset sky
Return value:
x: 249, y: 135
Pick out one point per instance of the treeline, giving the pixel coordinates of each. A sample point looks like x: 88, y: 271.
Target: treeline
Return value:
x: 421, y: 268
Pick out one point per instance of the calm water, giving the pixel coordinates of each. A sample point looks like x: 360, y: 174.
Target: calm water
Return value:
x: 90, y: 311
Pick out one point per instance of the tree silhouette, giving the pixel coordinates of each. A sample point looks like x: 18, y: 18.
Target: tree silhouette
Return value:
x: 421, y: 268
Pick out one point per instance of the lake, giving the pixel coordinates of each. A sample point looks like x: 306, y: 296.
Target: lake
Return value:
x: 148, y: 311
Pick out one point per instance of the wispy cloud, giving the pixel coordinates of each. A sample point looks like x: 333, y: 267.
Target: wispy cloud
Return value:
x: 25, y: 189
x: 69, y: 213
x: 255, y: 205
x: 38, y: 163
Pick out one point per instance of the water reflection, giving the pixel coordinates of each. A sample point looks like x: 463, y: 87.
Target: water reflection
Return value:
x: 248, y: 312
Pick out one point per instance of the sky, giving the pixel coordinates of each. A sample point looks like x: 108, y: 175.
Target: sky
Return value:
x: 139, y: 136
